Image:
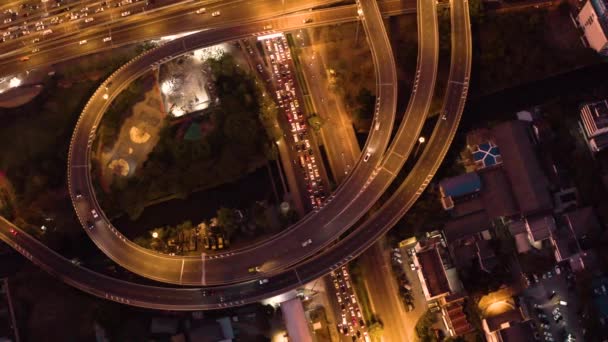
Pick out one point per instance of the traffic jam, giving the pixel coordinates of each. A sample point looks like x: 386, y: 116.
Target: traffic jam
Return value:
x: 350, y: 322
x: 277, y: 49
x: 37, y: 19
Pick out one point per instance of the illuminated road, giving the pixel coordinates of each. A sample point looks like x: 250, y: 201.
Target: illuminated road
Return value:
x: 278, y: 252
x: 341, y: 253
x: 164, y: 22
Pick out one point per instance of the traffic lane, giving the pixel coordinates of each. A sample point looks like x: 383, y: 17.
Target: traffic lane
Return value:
x: 167, y: 23
x: 130, y: 267
x: 383, y: 293
x: 343, y: 251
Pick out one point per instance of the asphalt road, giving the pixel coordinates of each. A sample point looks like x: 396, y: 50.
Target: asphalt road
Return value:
x: 340, y: 254
x: 384, y: 295
x: 64, y: 45
x: 337, y: 132
x: 273, y: 255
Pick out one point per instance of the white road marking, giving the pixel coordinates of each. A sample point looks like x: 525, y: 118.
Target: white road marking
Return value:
x: 181, y: 273
x: 203, y: 269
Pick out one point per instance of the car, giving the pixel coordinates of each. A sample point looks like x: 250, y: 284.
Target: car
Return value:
x: 88, y: 20
x: 254, y: 269
x: 45, y: 32
x: 307, y: 21
x: 367, y: 156
x: 82, y: 42
x: 215, y: 14
x: 90, y: 225
x: 263, y: 281
x: 306, y: 243
x: 13, y: 231
x: 558, y: 270
x: 35, y: 40
x: 125, y: 13
x: 107, y: 39
x: 94, y: 213
x: 78, y: 195
x: 201, y: 10
x: 268, y: 27
x: 24, y: 58
x: 35, y: 50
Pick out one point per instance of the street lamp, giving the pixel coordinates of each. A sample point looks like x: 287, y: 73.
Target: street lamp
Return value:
x: 155, y: 235
x: 421, y: 141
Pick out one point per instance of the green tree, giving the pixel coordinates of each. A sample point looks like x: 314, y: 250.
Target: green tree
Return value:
x: 227, y: 219
x: 366, y: 101
x: 376, y: 330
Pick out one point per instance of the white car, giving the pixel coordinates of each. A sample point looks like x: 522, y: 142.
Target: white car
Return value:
x: 94, y: 213
x: 125, y: 13
x: 35, y: 50
x: 107, y: 39
x: 367, y: 156
x: 215, y: 14
x: 88, y: 20
x: 268, y: 27
x: 263, y: 281
x: 82, y: 42
x: 201, y: 10
x: 306, y: 243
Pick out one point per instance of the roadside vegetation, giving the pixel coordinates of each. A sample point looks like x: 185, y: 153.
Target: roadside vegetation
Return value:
x: 235, y: 138
x: 37, y: 135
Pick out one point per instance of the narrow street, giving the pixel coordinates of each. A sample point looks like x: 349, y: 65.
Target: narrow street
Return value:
x: 399, y: 326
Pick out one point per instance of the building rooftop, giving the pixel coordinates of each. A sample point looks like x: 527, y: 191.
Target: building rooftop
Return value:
x: 527, y: 180
x: 497, y: 322
x: 464, y: 226
x: 583, y: 222
x: 486, y: 154
x: 431, y: 268
x: 518, y: 332
x: 496, y: 195
x: 540, y: 227
x: 461, y: 185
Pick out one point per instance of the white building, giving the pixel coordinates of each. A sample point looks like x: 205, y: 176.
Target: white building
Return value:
x: 593, y: 19
x: 594, y: 121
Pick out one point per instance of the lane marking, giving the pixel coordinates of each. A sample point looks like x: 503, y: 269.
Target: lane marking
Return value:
x: 203, y: 269
x: 181, y: 273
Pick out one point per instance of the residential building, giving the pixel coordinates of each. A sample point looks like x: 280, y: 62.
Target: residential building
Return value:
x: 593, y: 19
x: 572, y: 239
x: 437, y: 275
x: 453, y: 315
x: 594, y: 123
x: 508, y: 326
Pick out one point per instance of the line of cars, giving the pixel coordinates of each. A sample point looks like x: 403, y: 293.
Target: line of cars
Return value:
x: 287, y: 100
x: 350, y: 322
x: 405, y: 288
x: 47, y: 16
x: 203, y: 10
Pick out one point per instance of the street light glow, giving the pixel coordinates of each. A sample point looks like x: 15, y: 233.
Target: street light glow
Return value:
x: 421, y: 140
x: 155, y: 235
x: 14, y: 82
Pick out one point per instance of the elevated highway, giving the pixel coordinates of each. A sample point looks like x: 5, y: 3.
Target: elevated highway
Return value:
x: 280, y: 251
x: 162, y: 23
x: 345, y: 250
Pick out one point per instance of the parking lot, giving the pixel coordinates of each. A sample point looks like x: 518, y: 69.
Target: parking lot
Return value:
x: 552, y: 301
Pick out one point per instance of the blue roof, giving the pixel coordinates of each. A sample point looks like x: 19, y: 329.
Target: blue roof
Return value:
x: 600, y: 9
x: 487, y: 153
x: 465, y: 184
